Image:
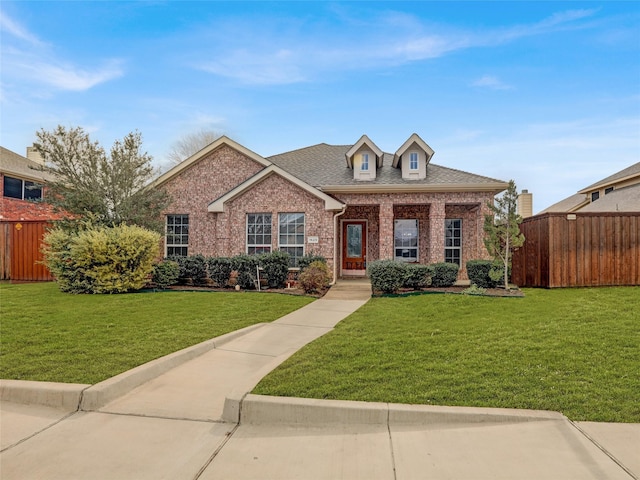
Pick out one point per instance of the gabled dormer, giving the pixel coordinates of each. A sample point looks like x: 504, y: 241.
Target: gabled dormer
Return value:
x: 364, y: 158
x: 413, y: 157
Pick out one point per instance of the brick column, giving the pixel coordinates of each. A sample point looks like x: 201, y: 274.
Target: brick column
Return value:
x: 482, y: 211
x: 436, y: 232
x: 386, y: 230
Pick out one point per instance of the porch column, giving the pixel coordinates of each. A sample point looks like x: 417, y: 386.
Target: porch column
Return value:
x: 436, y: 232
x: 386, y: 230
x: 483, y: 209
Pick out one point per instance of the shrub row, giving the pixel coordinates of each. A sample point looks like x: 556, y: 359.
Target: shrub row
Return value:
x: 198, y: 269
x: 389, y: 276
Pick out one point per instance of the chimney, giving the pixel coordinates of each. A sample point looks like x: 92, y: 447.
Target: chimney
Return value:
x: 525, y: 204
x: 34, y: 155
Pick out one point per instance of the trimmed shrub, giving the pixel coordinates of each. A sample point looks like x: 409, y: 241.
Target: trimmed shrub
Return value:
x: 165, y: 274
x: 181, y: 261
x: 308, y: 259
x: 479, y: 273
x: 315, y: 277
x: 246, y: 266
x: 275, y: 266
x: 219, y: 269
x: 101, y: 259
x: 387, y: 276
x: 417, y: 276
x: 195, y: 268
x: 444, y: 274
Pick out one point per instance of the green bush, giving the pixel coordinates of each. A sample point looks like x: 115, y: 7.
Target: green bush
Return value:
x: 315, y: 276
x: 479, y: 273
x: 387, y: 276
x: 275, y: 266
x: 101, y: 259
x: 166, y: 273
x: 245, y: 266
x: 444, y: 274
x: 195, y: 268
x: 219, y: 269
x: 308, y: 259
x: 417, y: 276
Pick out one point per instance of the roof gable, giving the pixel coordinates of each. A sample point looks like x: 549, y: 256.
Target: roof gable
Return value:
x: 196, y: 157
x: 415, y: 138
x: 364, y: 141
x: 217, y: 206
x: 628, y: 173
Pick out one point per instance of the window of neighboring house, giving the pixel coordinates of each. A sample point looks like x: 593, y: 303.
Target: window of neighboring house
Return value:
x: 291, y: 235
x: 21, y: 189
x: 365, y: 162
x: 177, y: 239
x: 413, y: 161
x: 595, y: 196
x: 405, y: 240
x: 258, y: 233
x: 453, y: 240
x: 608, y: 190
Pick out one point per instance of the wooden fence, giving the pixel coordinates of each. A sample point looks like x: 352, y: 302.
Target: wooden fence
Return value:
x: 20, y: 244
x: 578, y: 250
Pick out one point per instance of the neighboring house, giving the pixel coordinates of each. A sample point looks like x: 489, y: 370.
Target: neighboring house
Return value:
x: 619, y: 192
x: 349, y: 203
x: 23, y: 216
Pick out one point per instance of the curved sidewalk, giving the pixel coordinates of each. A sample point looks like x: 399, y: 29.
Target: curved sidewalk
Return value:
x: 189, y: 416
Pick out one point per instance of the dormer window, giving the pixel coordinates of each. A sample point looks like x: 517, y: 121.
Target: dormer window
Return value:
x: 413, y: 161
x: 364, y: 166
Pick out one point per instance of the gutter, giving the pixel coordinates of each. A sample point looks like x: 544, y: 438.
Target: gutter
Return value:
x: 414, y: 188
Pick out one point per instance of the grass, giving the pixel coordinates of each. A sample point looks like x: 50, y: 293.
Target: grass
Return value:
x: 576, y: 351
x: 47, y: 335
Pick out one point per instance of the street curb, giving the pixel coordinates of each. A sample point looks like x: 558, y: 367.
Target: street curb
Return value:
x: 98, y: 395
x: 65, y: 396
x: 261, y: 409
x: 74, y: 396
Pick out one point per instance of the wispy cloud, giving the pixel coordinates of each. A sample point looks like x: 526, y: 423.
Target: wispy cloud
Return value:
x: 489, y: 81
x: 293, y: 54
x: 28, y: 60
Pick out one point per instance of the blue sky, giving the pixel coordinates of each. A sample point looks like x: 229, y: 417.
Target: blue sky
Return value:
x: 545, y: 93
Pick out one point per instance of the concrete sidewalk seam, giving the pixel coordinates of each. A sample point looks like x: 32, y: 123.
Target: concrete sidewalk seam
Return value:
x: 22, y: 440
x: 159, y: 417
x: 393, y: 457
x: 246, y: 353
x: 215, y: 453
x: 604, y: 450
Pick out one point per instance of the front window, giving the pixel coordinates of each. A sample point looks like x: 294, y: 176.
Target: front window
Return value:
x: 453, y: 241
x: 405, y: 240
x: 595, y: 196
x: 21, y: 189
x: 608, y: 190
x: 177, y: 239
x: 291, y: 235
x: 258, y: 233
x: 365, y: 162
x: 413, y: 161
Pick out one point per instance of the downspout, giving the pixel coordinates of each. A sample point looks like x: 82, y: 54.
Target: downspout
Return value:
x: 336, y: 246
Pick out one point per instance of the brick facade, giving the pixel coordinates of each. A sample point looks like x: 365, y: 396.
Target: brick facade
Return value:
x: 224, y: 234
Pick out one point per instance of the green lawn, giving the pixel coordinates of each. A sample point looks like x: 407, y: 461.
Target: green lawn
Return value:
x: 572, y: 350
x: 52, y: 336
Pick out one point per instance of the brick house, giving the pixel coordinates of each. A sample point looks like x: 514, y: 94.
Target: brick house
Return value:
x: 350, y: 203
x: 23, y: 216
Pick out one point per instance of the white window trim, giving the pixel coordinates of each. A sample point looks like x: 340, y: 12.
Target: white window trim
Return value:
x: 246, y: 233
x: 416, y: 248
x: 417, y: 155
x: 304, y: 238
x: 453, y: 248
x: 365, y: 162
x: 167, y: 245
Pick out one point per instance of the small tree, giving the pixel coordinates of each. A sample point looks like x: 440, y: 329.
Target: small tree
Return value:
x: 110, y: 188
x: 502, y: 230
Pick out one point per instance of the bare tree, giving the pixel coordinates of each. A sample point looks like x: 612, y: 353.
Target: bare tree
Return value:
x: 190, y: 144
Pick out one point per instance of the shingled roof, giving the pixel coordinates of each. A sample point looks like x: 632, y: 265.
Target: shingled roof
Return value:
x: 323, y: 167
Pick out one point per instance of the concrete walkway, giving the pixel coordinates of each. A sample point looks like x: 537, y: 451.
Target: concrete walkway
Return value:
x: 188, y: 416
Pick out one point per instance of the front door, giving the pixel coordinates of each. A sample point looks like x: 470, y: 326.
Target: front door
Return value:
x: 354, y: 247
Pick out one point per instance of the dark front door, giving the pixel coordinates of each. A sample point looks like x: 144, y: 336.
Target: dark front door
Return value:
x: 354, y: 245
